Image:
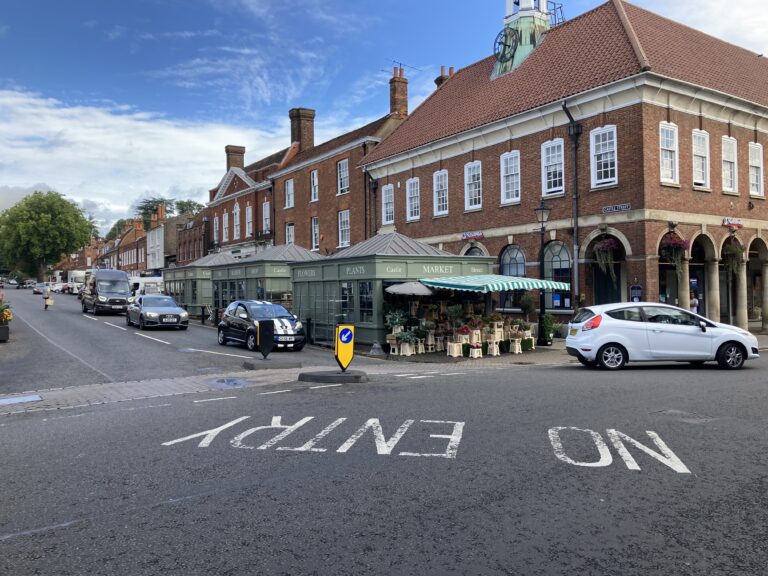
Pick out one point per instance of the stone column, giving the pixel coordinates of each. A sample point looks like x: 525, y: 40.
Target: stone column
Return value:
x: 713, y: 290
x: 742, y: 318
x: 764, y: 309
x: 684, y: 285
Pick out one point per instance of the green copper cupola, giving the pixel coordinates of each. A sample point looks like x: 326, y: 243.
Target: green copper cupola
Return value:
x: 524, y: 24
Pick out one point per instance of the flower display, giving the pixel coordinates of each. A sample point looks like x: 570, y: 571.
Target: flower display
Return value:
x: 463, y: 330
x: 5, y: 312
x: 604, y: 256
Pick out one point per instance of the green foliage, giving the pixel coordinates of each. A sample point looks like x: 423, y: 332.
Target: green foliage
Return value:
x: 454, y: 313
x: 526, y: 344
x: 547, y: 325
x: 527, y: 304
x: 146, y: 207
x: 114, y: 232
x: 394, y: 318
x: 188, y: 206
x: 40, y: 229
x: 406, y: 336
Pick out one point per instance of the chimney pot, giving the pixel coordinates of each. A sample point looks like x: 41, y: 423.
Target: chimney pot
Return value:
x: 235, y: 156
x: 302, y: 127
x: 450, y: 71
x: 398, y: 94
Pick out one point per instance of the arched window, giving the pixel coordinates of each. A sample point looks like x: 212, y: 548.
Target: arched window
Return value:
x: 474, y: 251
x: 511, y: 263
x: 557, y: 267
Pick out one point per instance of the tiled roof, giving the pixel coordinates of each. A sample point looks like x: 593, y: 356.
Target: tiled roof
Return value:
x: 392, y: 244
x: 368, y: 130
x: 616, y: 40
x: 216, y: 259
x: 283, y: 253
x: 275, y: 158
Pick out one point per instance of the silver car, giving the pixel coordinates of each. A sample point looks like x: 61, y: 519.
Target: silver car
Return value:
x: 610, y: 335
x: 156, y: 310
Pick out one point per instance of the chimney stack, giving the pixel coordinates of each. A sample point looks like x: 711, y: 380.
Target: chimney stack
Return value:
x: 161, y: 211
x: 442, y: 78
x: 302, y: 127
x: 398, y: 93
x: 235, y: 156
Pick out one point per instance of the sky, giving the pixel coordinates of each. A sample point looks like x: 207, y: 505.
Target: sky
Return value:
x: 109, y: 103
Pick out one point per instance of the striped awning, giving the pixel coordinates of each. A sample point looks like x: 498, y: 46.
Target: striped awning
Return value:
x: 493, y: 283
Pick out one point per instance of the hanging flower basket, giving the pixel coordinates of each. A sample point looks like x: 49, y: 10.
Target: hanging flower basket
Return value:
x: 672, y: 249
x: 604, y: 250
x: 732, y: 256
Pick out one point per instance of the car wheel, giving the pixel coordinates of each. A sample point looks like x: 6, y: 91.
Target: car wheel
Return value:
x: 612, y: 357
x: 731, y: 356
x: 250, y: 341
x: 222, y: 337
x: 585, y: 362
x: 141, y: 323
x: 94, y: 311
x: 85, y: 308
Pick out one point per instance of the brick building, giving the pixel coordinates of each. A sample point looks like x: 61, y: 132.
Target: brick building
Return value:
x: 644, y: 137
x: 132, y: 248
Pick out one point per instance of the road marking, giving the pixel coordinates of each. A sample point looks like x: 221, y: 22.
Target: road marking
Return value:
x: 419, y: 377
x: 275, y: 392
x: 324, y: 386
x: 454, y: 374
x: 21, y: 399
x: 220, y: 353
x: 405, y: 375
x: 215, y: 399
x: 38, y: 530
x: 89, y: 318
x: 116, y: 326
x: 151, y: 338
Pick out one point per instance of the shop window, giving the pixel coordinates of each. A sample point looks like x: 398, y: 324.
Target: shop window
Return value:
x: 557, y: 267
x: 347, y: 302
x: 512, y: 263
x: 365, y: 289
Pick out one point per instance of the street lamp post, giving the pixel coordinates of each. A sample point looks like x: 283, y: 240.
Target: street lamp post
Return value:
x: 542, y: 215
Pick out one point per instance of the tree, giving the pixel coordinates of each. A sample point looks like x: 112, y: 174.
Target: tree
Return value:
x: 114, y: 232
x: 188, y: 206
x: 40, y: 229
x: 146, y: 207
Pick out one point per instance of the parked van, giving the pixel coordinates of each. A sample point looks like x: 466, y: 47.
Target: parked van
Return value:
x: 107, y: 291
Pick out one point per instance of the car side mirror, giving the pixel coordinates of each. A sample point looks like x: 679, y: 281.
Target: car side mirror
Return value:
x: 243, y: 315
x: 703, y: 325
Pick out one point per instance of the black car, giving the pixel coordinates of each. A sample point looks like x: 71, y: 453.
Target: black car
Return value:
x: 156, y: 310
x: 240, y: 323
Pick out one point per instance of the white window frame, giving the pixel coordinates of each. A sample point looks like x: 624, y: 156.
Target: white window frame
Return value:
x: 608, y: 129
x: 289, y: 196
x: 412, y: 200
x: 342, y: 176
x: 509, y: 170
x: 473, y: 188
x: 225, y: 227
x: 266, y: 217
x: 705, y: 183
x: 248, y: 221
x: 215, y: 229
x: 236, y: 222
x: 344, y: 229
x: 547, y: 160
x: 756, y: 161
x: 733, y: 161
x: 388, y: 198
x: 314, y: 187
x: 315, y: 228
x: 440, y: 193
x: 290, y: 233
x: 673, y: 149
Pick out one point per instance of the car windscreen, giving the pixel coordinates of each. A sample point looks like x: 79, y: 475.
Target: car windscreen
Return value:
x: 269, y: 311
x: 113, y: 286
x: 158, y: 303
x: 582, y: 315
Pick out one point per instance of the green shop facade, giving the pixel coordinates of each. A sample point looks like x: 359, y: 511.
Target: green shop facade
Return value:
x: 349, y: 286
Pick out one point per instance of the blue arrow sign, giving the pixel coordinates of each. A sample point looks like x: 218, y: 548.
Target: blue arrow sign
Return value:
x: 346, y: 336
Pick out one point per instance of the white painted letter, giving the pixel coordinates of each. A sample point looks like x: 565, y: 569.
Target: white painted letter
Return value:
x: 666, y: 457
x: 209, y: 434
x: 453, y: 439
x: 308, y: 447
x: 383, y: 446
x: 605, y: 454
x: 237, y: 441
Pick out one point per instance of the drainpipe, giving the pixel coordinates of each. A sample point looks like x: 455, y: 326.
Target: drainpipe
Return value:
x: 272, y: 208
x: 574, y: 131
x: 365, y: 195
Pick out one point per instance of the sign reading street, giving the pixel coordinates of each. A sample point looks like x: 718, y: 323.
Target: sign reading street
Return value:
x: 344, y: 349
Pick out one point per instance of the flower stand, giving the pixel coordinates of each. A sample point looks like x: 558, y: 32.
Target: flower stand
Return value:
x: 454, y: 350
x: 475, y: 352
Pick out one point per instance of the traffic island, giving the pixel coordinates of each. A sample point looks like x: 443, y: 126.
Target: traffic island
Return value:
x: 266, y: 364
x: 334, y: 377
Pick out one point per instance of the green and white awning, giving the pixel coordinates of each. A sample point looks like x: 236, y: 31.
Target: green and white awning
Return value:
x: 493, y: 283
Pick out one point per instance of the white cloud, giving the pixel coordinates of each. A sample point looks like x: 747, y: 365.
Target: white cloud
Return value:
x: 108, y: 159
x: 4, y: 30
x: 744, y: 23
x: 116, y: 32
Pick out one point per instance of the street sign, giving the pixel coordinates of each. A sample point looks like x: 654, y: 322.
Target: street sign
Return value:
x: 344, y: 348
x: 266, y: 337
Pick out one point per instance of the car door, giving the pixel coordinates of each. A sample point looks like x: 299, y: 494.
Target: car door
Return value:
x: 239, y: 322
x: 633, y: 329
x: 675, y: 334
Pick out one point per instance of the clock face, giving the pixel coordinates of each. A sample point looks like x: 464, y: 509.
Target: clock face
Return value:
x: 506, y: 43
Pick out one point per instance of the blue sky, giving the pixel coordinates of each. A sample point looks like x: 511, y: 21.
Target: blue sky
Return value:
x: 110, y: 102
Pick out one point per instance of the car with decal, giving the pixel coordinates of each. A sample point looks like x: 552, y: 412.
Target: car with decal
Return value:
x: 240, y: 323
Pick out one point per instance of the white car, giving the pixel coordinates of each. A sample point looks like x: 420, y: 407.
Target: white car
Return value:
x: 610, y: 335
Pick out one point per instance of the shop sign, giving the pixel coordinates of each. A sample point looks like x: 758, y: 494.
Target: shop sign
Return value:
x: 354, y: 270
x: 733, y: 222
x: 437, y: 268
x: 636, y: 293
x: 616, y: 208
x: 476, y: 235
x: 390, y: 269
x: 306, y: 273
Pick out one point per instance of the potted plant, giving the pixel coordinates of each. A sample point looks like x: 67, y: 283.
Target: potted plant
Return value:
x: 455, y: 313
x: 604, y: 251
x: 527, y: 305
x: 406, y: 337
x: 673, y: 249
x: 525, y: 328
x: 5, y: 317
x: 462, y: 333
x: 394, y: 319
x: 732, y: 256
x: 547, y: 328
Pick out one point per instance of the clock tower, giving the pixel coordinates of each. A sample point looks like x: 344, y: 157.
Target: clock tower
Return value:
x: 524, y: 24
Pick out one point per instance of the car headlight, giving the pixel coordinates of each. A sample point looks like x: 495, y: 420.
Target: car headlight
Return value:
x: 130, y: 299
x: 151, y: 314
x: 102, y: 298
x: 184, y: 314
x: 298, y: 325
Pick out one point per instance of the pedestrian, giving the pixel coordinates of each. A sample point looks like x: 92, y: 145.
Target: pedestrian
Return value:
x: 46, y: 296
x: 694, y: 303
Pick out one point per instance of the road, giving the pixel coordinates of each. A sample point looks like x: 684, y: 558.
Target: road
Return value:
x: 467, y: 469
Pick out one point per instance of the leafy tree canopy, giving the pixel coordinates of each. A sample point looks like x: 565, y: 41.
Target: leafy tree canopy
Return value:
x: 40, y: 229
x: 114, y: 232
x: 146, y: 207
x: 188, y: 206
